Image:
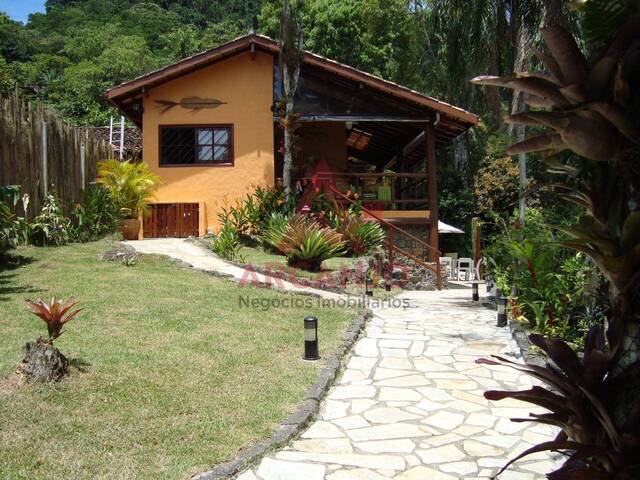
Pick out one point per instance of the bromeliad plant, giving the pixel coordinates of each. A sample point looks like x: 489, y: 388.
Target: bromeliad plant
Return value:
x: 56, y: 314
x: 598, y: 449
x: 593, y: 110
x: 306, y: 244
x: 360, y: 236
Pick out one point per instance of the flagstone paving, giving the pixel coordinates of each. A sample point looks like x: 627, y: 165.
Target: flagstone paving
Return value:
x: 410, y: 404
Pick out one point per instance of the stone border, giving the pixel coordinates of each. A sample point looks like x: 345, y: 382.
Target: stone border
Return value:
x: 303, y: 414
x: 521, y: 336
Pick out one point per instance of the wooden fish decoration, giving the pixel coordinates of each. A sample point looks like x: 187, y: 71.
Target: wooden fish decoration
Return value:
x: 189, y: 103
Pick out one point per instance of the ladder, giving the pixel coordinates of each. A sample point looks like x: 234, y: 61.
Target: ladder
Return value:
x: 117, y: 138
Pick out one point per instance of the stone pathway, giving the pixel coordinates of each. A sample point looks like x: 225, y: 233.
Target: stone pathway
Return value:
x: 409, y: 406
x: 200, y: 258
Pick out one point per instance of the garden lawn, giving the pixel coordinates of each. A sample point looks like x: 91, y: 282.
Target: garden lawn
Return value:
x: 169, y: 374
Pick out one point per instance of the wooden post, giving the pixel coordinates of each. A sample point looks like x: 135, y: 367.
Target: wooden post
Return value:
x: 45, y: 163
x: 82, y: 166
x: 432, y: 191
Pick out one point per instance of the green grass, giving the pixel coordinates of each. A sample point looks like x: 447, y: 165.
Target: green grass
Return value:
x: 170, y: 375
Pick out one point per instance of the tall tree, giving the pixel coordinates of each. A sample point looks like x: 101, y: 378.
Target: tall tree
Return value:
x: 291, y: 52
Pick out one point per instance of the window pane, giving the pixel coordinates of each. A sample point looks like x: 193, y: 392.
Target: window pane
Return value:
x: 204, y: 154
x: 204, y: 136
x: 221, y: 136
x: 221, y: 154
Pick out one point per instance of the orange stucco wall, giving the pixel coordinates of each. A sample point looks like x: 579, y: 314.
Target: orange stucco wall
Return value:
x: 246, y: 85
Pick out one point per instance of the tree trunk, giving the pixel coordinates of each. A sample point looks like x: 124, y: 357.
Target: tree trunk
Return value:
x: 554, y: 13
x: 290, y: 59
x: 461, y: 152
x: 43, y: 362
x: 517, y: 105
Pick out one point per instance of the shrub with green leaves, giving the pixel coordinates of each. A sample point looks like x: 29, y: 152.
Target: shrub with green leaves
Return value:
x: 95, y: 216
x: 360, y: 235
x: 227, y: 245
x: 558, y: 291
x: 9, y: 193
x: 274, y: 228
x: 51, y: 227
x: 306, y: 244
x: 131, y: 185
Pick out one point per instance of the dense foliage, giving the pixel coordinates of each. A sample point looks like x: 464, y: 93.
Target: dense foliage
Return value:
x: 265, y: 217
x: 590, y: 109
x: 558, y: 293
x: 69, y: 55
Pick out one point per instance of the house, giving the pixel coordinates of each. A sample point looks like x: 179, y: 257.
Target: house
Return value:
x: 211, y: 129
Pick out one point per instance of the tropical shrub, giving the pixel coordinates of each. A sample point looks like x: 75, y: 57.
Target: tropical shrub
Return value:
x: 95, y: 216
x: 306, y: 244
x: 51, y: 227
x: 275, y: 228
x: 360, y: 235
x: 557, y: 290
x: 55, y: 314
x: 597, y: 448
x: 593, y: 112
x: 250, y: 216
x: 131, y: 185
x: 227, y: 245
x: 7, y: 218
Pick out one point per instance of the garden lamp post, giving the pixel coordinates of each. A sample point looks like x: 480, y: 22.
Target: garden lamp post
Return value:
x: 368, y: 283
x: 311, y: 351
x: 475, y: 296
x: 501, y: 316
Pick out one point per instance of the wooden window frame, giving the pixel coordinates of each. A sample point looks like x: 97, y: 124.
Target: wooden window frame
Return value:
x: 198, y: 164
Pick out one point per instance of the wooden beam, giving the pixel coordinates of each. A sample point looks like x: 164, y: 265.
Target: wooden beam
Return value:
x: 358, y: 118
x: 432, y: 190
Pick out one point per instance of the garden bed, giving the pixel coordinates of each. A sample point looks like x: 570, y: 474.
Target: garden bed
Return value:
x: 168, y: 375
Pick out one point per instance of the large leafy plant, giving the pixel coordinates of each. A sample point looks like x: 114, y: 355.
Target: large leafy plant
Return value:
x: 360, y: 235
x: 96, y: 215
x: 591, y: 108
x: 9, y: 193
x: 131, y: 185
x: 306, y: 244
x: 51, y: 227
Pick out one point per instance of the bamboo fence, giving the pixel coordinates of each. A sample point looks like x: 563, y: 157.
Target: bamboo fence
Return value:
x: 40, y: 152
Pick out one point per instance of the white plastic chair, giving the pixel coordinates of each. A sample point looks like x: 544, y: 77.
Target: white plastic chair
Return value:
x: 447, y: 262
x: 465, y: 268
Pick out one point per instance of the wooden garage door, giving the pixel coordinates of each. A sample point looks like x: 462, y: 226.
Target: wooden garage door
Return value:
x: 172, y: 220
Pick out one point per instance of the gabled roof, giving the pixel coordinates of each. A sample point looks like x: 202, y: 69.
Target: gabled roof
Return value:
x: 123, y: 95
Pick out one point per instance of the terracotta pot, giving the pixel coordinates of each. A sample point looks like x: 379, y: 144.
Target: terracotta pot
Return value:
x: 129, y: 227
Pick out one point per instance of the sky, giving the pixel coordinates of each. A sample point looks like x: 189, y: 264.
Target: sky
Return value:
x: 20, y: 9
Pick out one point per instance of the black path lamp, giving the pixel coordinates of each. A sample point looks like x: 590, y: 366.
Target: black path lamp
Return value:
x: 475, y: 296
x: 387, y: 283
x: 368, y: 283
x: 489, y: 284
x: 501, y: 317
x: 311, y: 351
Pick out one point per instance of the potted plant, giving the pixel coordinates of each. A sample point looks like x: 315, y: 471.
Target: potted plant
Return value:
x: 132, y: 186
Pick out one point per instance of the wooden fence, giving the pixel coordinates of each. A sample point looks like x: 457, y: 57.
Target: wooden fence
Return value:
x: 40, y: 152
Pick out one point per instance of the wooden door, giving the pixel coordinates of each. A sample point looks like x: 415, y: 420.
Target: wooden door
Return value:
x: 167, y: 220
